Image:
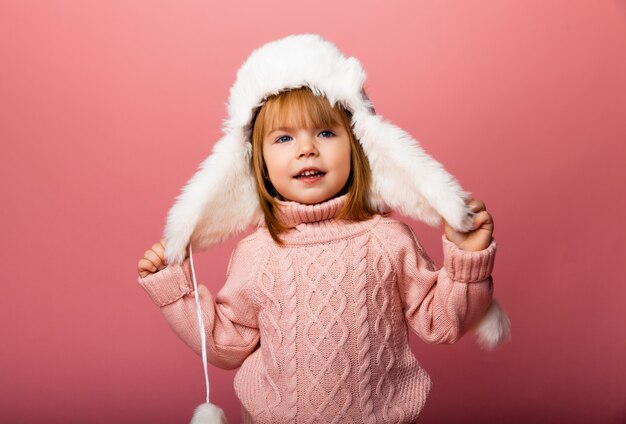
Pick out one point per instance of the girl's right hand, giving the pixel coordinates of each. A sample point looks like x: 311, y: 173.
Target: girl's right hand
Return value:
x: 153, y: 259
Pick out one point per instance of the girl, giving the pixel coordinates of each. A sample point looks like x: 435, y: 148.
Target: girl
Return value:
x: 317, y: 302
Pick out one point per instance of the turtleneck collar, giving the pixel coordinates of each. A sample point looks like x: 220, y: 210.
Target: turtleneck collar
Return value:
x: 293, y: 214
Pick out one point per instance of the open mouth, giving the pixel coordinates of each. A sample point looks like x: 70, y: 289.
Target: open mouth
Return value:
x: 309, y: 174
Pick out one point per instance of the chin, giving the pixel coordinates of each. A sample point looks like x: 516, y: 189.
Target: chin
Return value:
x: 313, y: 200
x: 310, y: 201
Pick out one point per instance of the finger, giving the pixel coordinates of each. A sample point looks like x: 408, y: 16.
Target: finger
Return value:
x: 144, y: 272
x: 162, y: 243
x: 159, y: 249
x: 153, y: 257
x: 483, y: 219
x: 476, y: 205
x: 145, y: 266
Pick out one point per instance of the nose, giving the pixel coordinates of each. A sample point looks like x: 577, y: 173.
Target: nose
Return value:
x: 306, y: 146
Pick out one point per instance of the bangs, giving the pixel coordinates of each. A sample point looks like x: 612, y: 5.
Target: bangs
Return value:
x: 298, y: 108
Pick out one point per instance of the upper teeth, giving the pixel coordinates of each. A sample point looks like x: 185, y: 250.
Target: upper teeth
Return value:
x: 305, y: 173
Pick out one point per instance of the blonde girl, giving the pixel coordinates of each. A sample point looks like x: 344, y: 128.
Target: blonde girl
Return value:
x: 318, y: 300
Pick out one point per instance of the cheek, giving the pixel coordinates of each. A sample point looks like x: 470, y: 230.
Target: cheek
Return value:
x: 346, y: 160
x: 267, y: 159
x: 273, y: 161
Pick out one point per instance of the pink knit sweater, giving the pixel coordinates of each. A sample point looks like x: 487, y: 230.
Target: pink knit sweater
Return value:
x: 319, y: 325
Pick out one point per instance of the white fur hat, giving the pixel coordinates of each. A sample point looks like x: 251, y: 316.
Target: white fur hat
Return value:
x: 220, y: 199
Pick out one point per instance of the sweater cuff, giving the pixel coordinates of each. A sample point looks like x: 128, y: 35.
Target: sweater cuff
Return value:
x: 168, y: 285
x: 467, y: 266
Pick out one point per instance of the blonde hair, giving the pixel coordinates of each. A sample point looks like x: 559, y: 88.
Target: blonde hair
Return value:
x: 301, y: 108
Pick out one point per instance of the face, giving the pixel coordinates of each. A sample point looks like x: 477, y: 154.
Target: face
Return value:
x: 308, y: 165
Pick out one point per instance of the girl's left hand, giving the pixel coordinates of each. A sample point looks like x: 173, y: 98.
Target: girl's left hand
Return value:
x: 480, y: 237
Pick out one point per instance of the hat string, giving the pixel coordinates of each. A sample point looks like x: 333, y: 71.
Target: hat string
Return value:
x: 200, y: 325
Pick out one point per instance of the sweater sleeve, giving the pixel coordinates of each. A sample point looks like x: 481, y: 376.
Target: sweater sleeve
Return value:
x: 230, y: 318
x: 441, y: 305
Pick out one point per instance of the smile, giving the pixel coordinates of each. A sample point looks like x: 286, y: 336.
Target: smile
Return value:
x: 310, y: 174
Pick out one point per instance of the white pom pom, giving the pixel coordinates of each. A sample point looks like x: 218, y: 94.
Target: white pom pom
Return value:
x: 494, y: 329
x: 207, y: 413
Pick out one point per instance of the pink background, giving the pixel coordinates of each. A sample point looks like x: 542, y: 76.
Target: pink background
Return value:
x: 107, y: 108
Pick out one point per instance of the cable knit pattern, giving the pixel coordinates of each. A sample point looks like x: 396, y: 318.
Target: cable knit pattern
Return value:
x: 325, y: 334
x: 331, y: 308
x: 290, y: 320
x: 385, y: 358
x: 363, y: 338
x: 271, y: 333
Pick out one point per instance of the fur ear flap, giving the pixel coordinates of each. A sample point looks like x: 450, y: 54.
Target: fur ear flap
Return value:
x: 217, y: 202
x: 407, y: 179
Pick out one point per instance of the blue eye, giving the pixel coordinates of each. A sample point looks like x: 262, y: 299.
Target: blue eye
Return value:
x: 283, y: 139
x: 326, y: 134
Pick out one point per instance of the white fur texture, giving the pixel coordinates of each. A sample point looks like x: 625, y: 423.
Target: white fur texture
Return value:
x: 217, y: 202
x: 405, y: 178
x: 494, y: 328
x: 207, y: 413
x: 220, y: 200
